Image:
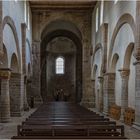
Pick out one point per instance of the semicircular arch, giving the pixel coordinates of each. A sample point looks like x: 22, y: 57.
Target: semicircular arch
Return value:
x: 114, y: 62
x: 126, y: 18
x: 60, y: 24
x: 8, y: 20
x: 4, y: 58
x: 127, y: 57
x: 14, y: 64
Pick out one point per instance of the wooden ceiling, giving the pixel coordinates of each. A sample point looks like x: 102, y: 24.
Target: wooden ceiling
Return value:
x: 44, y: 5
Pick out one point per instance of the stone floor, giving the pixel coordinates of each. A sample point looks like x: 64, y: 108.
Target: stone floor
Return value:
x: 7, y: 130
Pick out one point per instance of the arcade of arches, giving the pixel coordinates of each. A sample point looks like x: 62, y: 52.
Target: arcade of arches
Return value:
x: 87, y: 52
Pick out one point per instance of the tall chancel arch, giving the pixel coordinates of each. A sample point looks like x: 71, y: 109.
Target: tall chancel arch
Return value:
x: 61, y: 39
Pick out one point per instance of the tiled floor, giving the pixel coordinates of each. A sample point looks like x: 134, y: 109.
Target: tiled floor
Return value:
x: 7, y: 130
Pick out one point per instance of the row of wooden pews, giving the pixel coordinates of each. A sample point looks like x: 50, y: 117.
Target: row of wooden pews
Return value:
x: 67, y: 120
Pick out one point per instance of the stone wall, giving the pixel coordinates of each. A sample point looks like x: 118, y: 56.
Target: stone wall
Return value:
x: 64, y: 81
x: 82, y: 20
x: 16, y: 91
x: 115, y: 33
x: 35, y: 83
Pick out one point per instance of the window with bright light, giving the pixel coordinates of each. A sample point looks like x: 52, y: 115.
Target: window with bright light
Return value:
x: 97, y: 17
x: 25, y: 11
x: 28, y: 23
x: 101, y: 12
x: 59, y: 65
x: 115, y: 1
x: 27, y: 14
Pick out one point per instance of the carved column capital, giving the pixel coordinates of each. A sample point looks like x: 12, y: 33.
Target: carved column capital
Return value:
x: 5, y: 73
x: 93, y: 80
x: 124, y: 72
x: 100, y: 79
x: 24, y: 25
x: 137, y: 53
x: 109, y: 73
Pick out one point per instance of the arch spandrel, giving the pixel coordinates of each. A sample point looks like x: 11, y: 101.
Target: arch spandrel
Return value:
x: 60, y: 24
x: 14, y: 63
x: 8, y: 20
x: 4, y: 62
x: 127, y: 57
x: 126, y: 18
x: 113, y: 63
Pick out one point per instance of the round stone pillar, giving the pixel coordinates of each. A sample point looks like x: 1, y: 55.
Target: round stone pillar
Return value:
x: 5, y: 97
x: 108, y: 92
x: 124, y: 90
x: 93, y: 83
x: 137, y: 67
x: 26, y: 106
x: 100, y: 79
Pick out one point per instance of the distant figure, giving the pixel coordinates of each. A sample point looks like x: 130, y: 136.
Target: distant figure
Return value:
x: 56, y: 94
x: 61, y: 94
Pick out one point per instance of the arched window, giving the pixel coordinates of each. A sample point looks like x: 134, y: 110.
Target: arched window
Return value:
x: 59, y: 65
x: 115, y: 1
x: 25, y: 11
x: 101, y: 12
x: 27, y: 14
x: 97, y: 21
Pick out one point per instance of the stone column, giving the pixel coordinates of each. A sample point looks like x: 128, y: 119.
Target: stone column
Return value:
x: 124, y: 91
x: 137, y: 67
x: 108, y: 91
x: 23, y: 35
x: 1, y: 29
x: 87, y: 98
x: 36, y: 73
x: 93, y: 83
x: 26, y: 106
x: 16, y: 94
x: 137, y: 95
x: 23, y: 31
x: 100, y: 79
x: 4, y: 96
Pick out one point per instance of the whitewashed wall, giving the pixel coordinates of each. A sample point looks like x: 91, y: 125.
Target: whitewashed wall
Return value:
x: 111, y: 14
x: 15, y: 10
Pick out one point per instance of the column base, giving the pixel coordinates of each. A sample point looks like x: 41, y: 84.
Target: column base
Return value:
x: 87, y: 103
x: 16, y: 114
x: 26, y: 108
x: 106, y: 113
x: 5, y: 120
x: 136, y: 125
x: 122, y: 118
x: 38, y: 101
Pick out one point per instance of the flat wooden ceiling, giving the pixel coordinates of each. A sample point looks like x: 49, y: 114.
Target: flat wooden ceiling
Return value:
x: 37, y: 5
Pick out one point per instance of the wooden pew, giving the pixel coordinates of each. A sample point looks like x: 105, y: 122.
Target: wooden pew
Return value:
x: 70, y: 130
x: 67, y: 120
